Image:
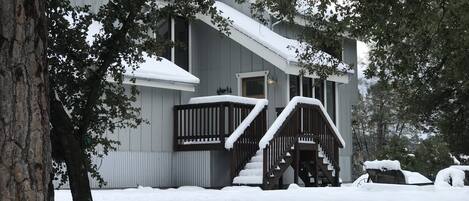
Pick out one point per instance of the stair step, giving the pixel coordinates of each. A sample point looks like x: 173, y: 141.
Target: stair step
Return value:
x: 247, y: 180
x: 253, y: 165
x: 259, y: 152
x: 251, y: 172
x: 257, y: 159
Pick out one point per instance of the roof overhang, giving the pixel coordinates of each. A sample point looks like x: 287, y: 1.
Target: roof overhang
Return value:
x: 267, y: 53
x: 165, y: 84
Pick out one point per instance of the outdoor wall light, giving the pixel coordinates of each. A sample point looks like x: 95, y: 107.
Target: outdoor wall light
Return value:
x: 271, y: 80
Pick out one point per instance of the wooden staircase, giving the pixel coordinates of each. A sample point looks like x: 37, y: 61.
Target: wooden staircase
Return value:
x: 306, y: 139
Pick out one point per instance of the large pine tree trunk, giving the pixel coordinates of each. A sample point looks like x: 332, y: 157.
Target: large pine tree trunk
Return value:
x: 25, y: 160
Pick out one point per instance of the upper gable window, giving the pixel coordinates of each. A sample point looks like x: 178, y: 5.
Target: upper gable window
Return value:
x: 176, y: 29
x: 181, y: 38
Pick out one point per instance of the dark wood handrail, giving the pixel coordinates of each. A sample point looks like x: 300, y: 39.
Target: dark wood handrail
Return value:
x: 206, y: 124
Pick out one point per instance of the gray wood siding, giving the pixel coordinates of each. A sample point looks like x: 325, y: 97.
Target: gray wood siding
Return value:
x: 216, y: 61
x: 348, y: 96
x: 156, y: 107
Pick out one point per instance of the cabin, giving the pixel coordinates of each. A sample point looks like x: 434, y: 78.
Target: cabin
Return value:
x: 235, y: 110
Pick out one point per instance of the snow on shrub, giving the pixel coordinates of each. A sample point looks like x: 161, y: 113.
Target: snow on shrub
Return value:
x: 382, y: 165
x: 450, y: 177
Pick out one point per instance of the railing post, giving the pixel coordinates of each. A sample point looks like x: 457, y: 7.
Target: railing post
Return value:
x: 222, y: 124
x: 230, y: 118
x: 175, y: 128
x: 336, y: 166
x: 264, y: 166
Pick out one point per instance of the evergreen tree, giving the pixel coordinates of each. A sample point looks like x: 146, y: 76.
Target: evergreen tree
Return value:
x: 85, y: 105
x: 419, y: 48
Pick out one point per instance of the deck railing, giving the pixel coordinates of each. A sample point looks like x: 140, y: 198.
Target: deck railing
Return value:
x: 205, y: 126
x: 315, y: 127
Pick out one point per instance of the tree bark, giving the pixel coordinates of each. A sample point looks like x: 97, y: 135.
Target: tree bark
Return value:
x: 68, y: 144
x: 25, y: 149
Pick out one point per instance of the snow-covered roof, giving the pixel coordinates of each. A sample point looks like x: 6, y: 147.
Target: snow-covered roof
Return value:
x: 152, y: 72
x: 278, y: 50
x: 269, y: 135
x: 163, y: 69
x: 161, y: 73
x: 382, y: 165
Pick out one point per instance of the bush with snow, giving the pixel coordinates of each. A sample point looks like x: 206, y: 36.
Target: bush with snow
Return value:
x: 450, y: 177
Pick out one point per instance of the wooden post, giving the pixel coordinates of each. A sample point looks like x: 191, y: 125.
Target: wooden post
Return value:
x: 315, y: 168
x: 175, y: 128
x: 222, y: 124
x: 297, y: 164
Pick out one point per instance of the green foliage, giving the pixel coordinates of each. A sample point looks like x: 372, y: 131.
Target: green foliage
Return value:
x: 431, y: 156
x: 319, y: 33
x: 420, y: 48
x: 396, y: 149
x: 87, y: 76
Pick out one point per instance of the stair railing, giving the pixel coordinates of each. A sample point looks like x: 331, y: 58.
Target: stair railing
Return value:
x: 317, y: 127
x: 306, y: 119
x: 246, y: 145
x: 282, y: 142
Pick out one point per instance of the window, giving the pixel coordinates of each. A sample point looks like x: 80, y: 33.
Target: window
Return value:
x: 253, y: 87
x: 330, y: 98
x: 181, y: 38
x: 164, y: 32
x: 294, y: 86
x: 319, y: 90
x: 307, y: 84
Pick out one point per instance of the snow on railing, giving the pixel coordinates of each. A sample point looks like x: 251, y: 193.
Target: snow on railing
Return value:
x: 223, y: 98
x: 259, y: 105
x: 288, y: 109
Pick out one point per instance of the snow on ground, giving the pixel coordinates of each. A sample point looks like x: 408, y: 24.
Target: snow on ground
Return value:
x: 367, y: 192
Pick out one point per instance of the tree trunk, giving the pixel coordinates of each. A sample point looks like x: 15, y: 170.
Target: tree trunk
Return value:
x: 68, y: 144
x: 25, y: 159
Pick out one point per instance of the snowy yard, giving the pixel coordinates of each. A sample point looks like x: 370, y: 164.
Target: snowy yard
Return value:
x: 371, y: 192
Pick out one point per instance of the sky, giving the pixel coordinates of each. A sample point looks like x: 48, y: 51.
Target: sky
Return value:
x: 362, y: 52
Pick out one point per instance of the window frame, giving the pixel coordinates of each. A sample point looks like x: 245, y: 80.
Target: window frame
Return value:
x: 241, y: 76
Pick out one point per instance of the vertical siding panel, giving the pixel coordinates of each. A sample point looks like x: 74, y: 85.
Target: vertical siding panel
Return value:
x: 167, y: 119
x: 235, y: 64
x: 129, y: 169
x: 146, y: 111
x: 246, y: 60
x: 157, y: 118
x: 135, y: 133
